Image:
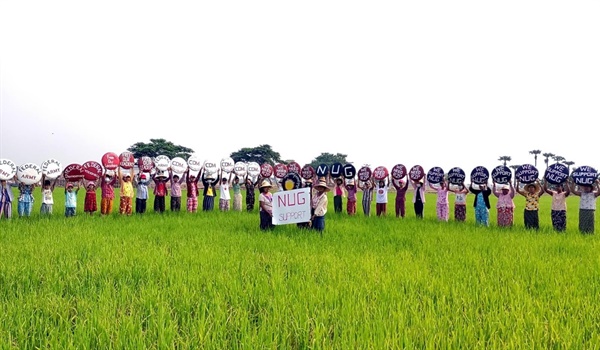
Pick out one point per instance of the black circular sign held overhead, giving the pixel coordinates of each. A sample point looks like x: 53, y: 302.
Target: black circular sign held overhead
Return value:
x: 556, y: 174
x: 456, y: 176
x: 335, y: 170
x: 349, y: 171
x: 584, y: 175
x: 501, y: 175
x: 480, y: 175
x: 291, y: 181
x: 527, y: 174
x: 322, y: 170
x: 435, y: 175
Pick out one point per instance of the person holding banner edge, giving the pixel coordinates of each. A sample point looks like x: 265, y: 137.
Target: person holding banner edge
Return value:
x: 265, y: 201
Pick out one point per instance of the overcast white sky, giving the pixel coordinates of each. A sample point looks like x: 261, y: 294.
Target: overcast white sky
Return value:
x: 435, y: 83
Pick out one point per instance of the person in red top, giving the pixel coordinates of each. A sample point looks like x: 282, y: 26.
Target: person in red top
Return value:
x: 160, y: 191
x: 401, y: 188
x: 192, y: 191
x: 108, y: 192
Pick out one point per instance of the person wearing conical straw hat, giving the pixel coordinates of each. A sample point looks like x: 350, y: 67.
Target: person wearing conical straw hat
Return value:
x: 265, y: 201
x: 319, y: 205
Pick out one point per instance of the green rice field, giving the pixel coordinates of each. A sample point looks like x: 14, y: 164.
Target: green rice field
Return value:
x: 213, y: 280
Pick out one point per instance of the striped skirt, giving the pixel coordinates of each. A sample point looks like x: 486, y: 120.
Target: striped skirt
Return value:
x: 586, y: 220
x: 531, y: 218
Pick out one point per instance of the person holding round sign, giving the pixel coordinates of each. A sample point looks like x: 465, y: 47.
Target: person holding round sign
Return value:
x: 481, y: 203
x: 126, y: 193
x: 442, y: 206
x: 25, y: 201
x: 160, y: 191
x: 505, y: 204
x: 367, y: 187
x: 47, y: 195
x: 381, y: 196
x: 192, y: 190
x: 558, y: 212
x: 418, y: 197
x: 141, y: 193
x: 587, y: 205
x: 339, y: 193
x: 175, y: 182
x: 107, y: 186
x: 6, y: 200
x: 401, y: 187
x: 210, y: 191
x: 532, y: 193
x: 460, y: 201
x: 265, y: 201
x: 351, y: 190
x: 71, y: 199
x: 224, y: 195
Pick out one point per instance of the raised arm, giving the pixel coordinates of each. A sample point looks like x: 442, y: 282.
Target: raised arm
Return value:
x: 546, y: 188
x: 541, y: 191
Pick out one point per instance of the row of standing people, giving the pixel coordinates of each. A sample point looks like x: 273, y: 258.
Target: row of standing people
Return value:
x: 133, y: 193
x: 505, y: 205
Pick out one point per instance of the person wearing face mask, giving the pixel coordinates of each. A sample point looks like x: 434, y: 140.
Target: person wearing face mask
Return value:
x: 141, y: 196
x: 108, y: 192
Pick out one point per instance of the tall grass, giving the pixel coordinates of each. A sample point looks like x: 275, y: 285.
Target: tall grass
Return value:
x: 215, y: 281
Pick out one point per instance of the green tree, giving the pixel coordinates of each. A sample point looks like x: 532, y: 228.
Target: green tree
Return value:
x: 569, y: 163
x: 558, y: 159
x: 158, y: 147
x: 328, y: 158
x: 505, y: 159
x: 261, y: 154
x: 535, y: 153
x: 547, y: 156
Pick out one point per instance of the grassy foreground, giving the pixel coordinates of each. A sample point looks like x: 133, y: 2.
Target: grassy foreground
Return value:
x: 214, y: 281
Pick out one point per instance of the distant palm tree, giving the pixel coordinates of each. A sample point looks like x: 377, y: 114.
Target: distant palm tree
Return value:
x: 505, y: 159
x: 546, y: 157
x: 559, y: 159
x: 535, y: 153
x: 514, y: 167
x: 569, y: 163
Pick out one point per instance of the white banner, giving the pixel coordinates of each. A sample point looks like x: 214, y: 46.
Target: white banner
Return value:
x: 290, y: 207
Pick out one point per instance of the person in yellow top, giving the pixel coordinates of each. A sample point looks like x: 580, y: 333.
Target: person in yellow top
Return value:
x: 532, y: 193
x: 126, y: 194
x: 319, y: 205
